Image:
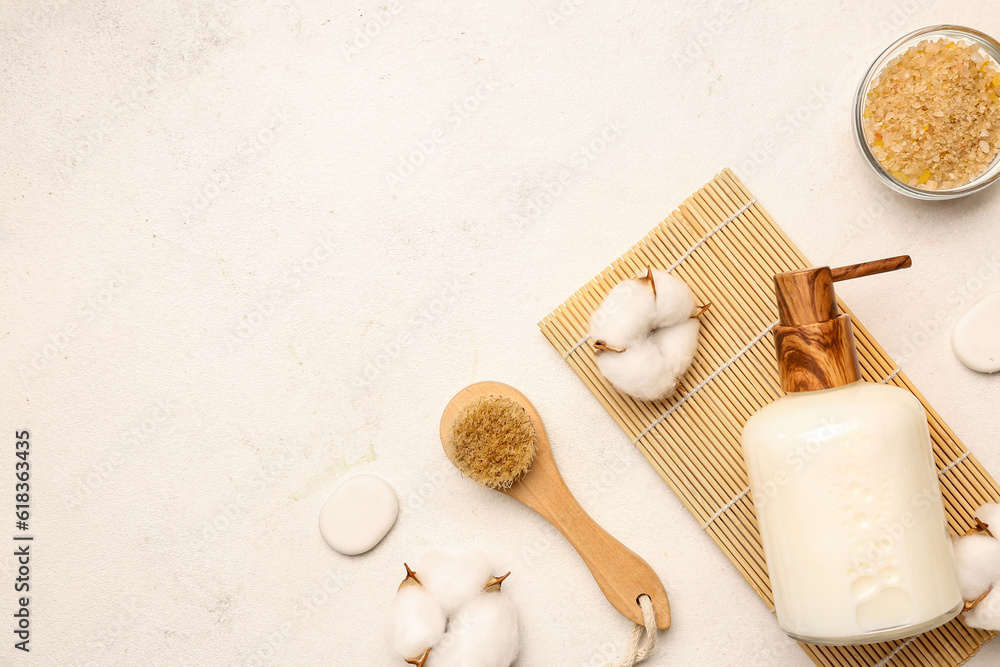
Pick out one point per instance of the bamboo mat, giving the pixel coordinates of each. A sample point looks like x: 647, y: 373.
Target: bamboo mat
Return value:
x: 727, y: 248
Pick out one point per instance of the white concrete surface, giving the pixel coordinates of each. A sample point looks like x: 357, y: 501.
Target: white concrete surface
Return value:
x: 223, y: 293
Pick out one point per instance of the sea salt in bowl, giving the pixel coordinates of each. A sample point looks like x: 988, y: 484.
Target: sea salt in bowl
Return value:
x: 989, y: 50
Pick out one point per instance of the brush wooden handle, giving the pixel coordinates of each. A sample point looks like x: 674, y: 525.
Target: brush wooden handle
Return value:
x: 621, y: 574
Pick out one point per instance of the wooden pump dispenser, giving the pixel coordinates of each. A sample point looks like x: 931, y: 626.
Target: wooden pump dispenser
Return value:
x: 832, y: 465
x: 814, y: 340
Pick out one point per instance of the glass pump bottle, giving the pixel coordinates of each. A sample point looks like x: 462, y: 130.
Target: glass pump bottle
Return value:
x: 844, y: 483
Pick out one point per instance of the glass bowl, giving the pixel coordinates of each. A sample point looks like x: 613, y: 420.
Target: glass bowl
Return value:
x: 988, y: 46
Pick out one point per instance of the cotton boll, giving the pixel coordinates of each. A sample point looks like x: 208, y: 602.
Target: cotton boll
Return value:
x: 649, y: 336
x: 977, y: 558
x: 990, y: 514
x: 649, y: 369
x: 416, y: 622
x: 638, y: 371
x: 625, y: 316
x: 483, y: 634
x: 986, y: 615
x: 453, y: 580
x: 678, y: 345
x: 674, y: 300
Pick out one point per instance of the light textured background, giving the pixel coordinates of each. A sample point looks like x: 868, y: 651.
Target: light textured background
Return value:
x: 217, y: 303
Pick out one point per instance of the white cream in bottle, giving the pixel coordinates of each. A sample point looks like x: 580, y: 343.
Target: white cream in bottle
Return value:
x: 844, y: 486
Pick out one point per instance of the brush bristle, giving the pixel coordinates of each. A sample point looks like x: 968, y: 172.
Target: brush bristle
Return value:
x: 492, y: 441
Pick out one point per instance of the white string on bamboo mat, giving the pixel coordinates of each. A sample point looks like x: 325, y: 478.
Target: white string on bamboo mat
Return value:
x: 954, y: 463
x: 577, y: 345
x: 725, y: 507
x: 712, y: 233
x: 885, y: 661
x: 892, y: 376
x: 681, y: 259
x: 759, y: 337
x: 639, y: 646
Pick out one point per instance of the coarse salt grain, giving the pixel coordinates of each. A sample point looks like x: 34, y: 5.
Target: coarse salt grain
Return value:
x: 927, y: 110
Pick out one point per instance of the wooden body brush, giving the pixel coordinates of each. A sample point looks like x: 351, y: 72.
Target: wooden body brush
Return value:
x: 494, y: 435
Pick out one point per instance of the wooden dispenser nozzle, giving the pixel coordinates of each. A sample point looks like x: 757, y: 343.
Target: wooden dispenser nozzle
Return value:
x: 871, y: 268
x: 815, y: 342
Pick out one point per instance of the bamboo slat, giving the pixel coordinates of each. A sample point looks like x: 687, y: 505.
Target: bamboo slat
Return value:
x: 727, y: 248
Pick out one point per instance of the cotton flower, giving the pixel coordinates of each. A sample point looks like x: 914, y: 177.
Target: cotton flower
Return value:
x: 482, y: 634
x: 977, y: 557
x: 453, y: 591
x: 677, y: 345
x: 453, y: 580
x: 416, y: 621
x: 638, y: 371
x: 646, y: 334
x: 990, y: 515
x: 986, y: 614
x: 978, y: 561
x: 625, y: 316
x: 674, y: 300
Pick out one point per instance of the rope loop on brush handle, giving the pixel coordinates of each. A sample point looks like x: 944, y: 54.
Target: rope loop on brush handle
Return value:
x: 643, y: 638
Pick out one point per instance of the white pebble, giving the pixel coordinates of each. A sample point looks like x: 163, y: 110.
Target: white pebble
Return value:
x: 975, y: 338
x: 482, y: 634
x: 674, y: 300
x: 358, y: 514
x: 415, y: 623
x: 986, y: 615
x: 977, y: 558
x: 453, y: 579
x: 626, y: 314
x: 984, y: 146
